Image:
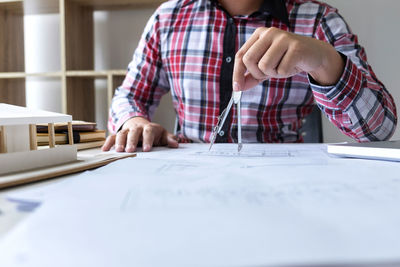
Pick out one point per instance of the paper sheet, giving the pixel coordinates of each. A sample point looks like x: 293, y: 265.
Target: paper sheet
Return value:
x: 271, y: 205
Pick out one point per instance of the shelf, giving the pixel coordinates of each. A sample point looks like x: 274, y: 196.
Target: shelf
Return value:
x: 19, y: 75
x: 12, y: 51
x: 80, y: 92
x: 14, y: 6
x: 72, y: 73
x: 107, y: 4
x: 76, y: 73
x: 52, y: 6
x: 11, y: 37
x: 95, y: 74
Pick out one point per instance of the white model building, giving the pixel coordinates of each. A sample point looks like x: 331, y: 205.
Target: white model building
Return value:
x: 18, y: 145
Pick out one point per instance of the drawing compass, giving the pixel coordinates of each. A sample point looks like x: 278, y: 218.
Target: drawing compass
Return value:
x: 235, y: 99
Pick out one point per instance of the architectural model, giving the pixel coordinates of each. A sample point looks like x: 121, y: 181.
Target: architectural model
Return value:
x: 18, y: 145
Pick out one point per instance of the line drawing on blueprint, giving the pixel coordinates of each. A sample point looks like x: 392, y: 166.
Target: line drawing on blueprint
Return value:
x: 248, y: 154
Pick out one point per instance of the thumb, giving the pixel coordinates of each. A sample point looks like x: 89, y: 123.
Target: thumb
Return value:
x: 250, y: 82
x: 168, y: 139
x: 172, y: 141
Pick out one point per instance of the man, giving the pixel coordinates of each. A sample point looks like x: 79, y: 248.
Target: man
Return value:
x: 291, y: 53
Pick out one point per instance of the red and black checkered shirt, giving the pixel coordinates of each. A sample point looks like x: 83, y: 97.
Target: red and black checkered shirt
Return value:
x: 188, y: 48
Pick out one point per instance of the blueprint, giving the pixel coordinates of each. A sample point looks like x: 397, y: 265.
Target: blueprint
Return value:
x: 269, y: 205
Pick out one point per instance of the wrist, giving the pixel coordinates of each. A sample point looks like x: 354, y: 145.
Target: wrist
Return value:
x: 331, y: 69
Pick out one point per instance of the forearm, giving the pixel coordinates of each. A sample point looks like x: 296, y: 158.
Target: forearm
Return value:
x: 359, y: 105
x: 124, y: 107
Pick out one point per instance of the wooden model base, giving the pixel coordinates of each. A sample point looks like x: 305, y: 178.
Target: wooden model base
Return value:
x: 28, y: 160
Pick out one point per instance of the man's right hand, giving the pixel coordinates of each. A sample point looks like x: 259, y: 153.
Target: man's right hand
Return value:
x: 139, y: 129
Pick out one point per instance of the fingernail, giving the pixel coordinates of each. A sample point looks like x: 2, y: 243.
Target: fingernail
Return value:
x: 146, y: 148
x: 130, y: 149
x: 236, y: 86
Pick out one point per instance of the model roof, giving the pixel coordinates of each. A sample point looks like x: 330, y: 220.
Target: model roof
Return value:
x: 16, y: 115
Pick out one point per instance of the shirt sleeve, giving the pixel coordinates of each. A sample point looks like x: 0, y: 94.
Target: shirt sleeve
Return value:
x: 145, y: 82
x: 359, y: 104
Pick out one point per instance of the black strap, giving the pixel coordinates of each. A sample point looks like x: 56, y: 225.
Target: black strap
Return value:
x: 225, y: 92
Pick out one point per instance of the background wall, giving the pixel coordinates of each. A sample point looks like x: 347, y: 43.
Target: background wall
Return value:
x: 376, y: 24
x: 117, y: 34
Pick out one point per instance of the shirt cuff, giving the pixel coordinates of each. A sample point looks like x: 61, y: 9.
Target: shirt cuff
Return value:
x: 344, y: 92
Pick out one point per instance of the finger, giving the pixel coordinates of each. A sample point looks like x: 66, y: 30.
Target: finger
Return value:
x: 148, y: 137
x: 121, y: 140
x: 108, y: 144
x: 288, y: 65
x: 239, y: 68
x: 251, y: 82
x: 254, y: 55
x: 170, y: 140
x: 272, y: 58
x: 133, y: 138
x: 173, y: 141
x: 253, y: 38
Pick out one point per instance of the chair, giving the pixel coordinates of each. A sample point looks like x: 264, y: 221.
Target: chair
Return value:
x: 312, y: 127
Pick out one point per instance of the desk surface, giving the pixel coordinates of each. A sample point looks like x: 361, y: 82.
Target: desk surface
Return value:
x: 271, y: 205
x: 10, y: 216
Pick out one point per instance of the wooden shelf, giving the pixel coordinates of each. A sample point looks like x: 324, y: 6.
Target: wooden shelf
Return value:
x: 11, y: 36
x: 96, y: 74
x: 20, y: 75
x: 106, y: 4
x: 12, y: 5
x: 53, y: 6
x: 12, y: 51
x: 76, y: 72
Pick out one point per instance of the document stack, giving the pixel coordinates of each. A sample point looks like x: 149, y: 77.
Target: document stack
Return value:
x: 85, y: 135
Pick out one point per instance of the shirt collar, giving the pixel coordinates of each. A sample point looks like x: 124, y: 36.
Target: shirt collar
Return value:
x: 275, y: 8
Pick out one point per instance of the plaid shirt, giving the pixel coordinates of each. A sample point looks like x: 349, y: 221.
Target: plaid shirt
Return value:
x: 188, y: 48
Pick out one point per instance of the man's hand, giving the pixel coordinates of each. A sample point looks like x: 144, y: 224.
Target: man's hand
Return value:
x: 139, y: 129
x: 273, y: 53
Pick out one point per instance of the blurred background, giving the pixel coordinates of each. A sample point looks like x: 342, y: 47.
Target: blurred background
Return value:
x: 117, y: 33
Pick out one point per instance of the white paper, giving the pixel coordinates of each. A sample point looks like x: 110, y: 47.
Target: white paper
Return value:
x: 271, y: 205
x: 38, y: 193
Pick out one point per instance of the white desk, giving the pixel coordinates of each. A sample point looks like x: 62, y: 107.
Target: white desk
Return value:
x: 9, y: 214
x: 274, y: 205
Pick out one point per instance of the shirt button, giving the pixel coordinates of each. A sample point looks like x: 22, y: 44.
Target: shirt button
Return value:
x: 228, y: 59
x: 230, y: 20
